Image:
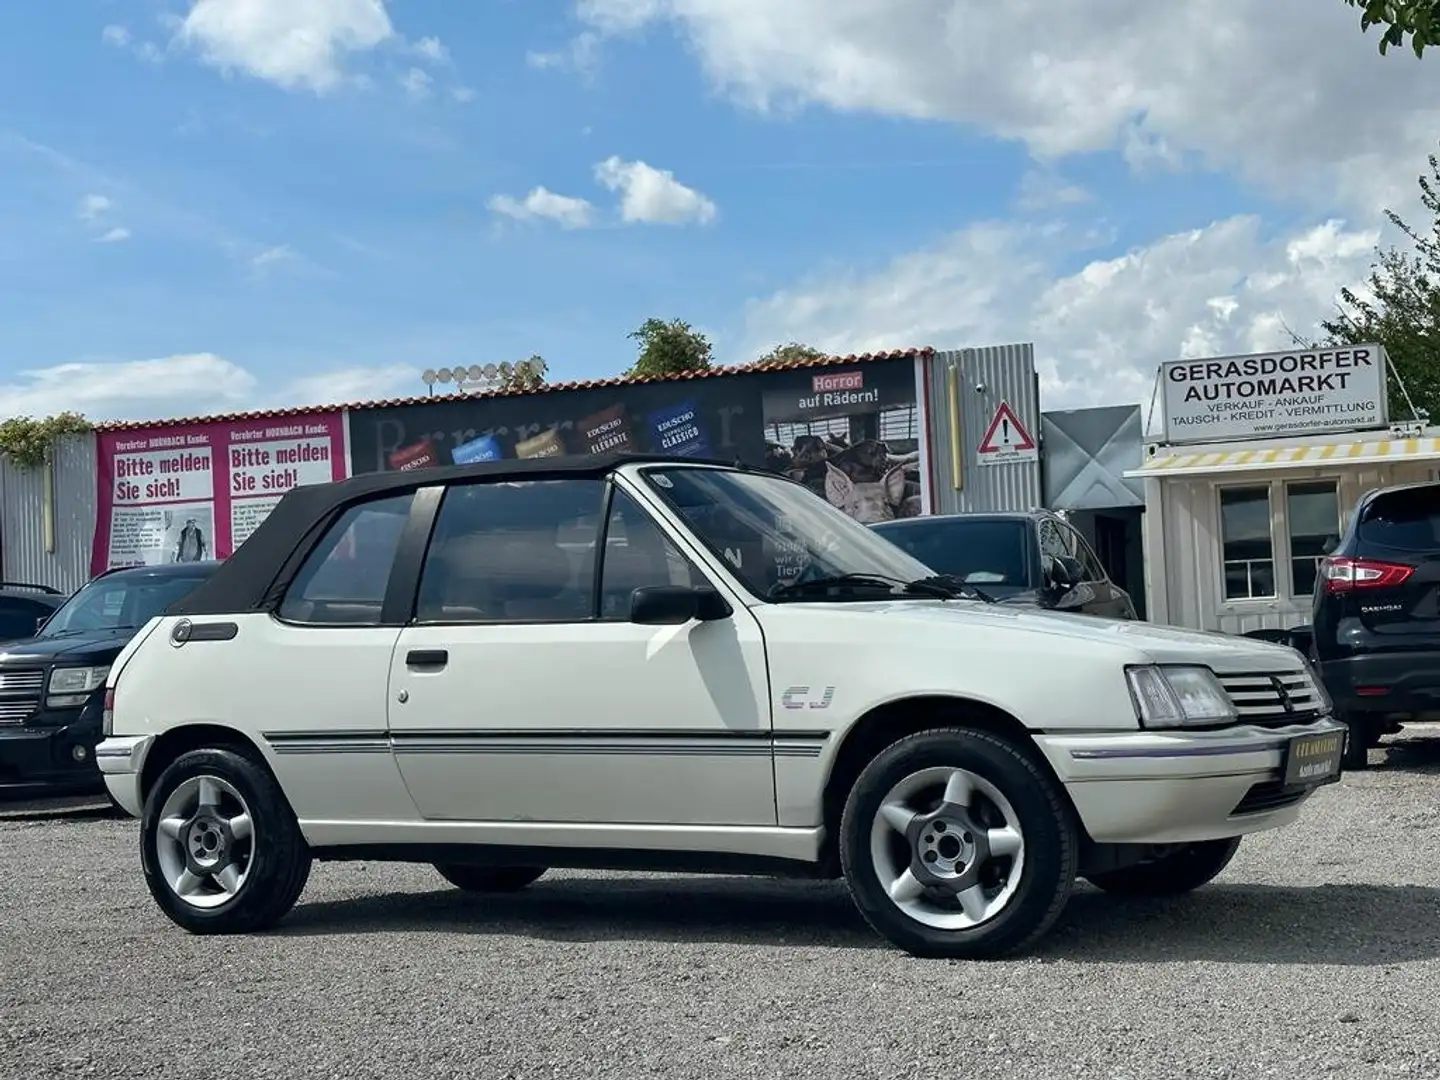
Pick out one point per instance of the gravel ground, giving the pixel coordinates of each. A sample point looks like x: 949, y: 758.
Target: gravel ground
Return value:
x: 1316, y: 954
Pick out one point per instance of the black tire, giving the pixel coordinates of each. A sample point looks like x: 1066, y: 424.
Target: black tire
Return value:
x: 1180, y: 872
x: 1360, y: 731
x: 280, y: 859
x: 1046, y: 822
x: 489, y: 879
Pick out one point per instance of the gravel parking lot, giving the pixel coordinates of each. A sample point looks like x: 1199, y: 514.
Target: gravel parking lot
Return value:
x: 1315, y: 954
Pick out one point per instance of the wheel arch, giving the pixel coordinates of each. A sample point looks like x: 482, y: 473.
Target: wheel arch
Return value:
x: 894, y: 720
x: 171, y: 744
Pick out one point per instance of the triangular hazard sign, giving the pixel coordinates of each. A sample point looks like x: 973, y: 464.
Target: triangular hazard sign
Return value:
x: 1005, y: 433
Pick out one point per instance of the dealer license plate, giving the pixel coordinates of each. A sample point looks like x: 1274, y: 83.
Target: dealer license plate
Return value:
x: 1314, y: 759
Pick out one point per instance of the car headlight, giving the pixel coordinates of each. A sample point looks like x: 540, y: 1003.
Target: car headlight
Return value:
x: 77, y: 680
x: 1179, y: 695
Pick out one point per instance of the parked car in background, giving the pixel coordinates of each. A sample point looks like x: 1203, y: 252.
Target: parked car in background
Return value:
x: 1034, y: 558
x: 1375, y: 622
x: 664, y: 664
x: 52, y: 682
x: 24, y: 607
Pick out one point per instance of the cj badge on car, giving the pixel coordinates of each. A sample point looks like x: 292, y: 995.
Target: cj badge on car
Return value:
x: 800, y: 697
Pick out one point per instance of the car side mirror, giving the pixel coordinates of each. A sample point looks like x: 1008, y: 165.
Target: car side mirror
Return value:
x: 40, y: 623
x: 1060, y: 575
x: 672, y: 605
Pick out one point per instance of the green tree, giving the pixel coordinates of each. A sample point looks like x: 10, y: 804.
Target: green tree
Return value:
x: 28, y: 442
x: 668, y: 348
x: 523, y: 375
x: 790, y: 353
x: 1420, y: 19
x: 1402, y: 308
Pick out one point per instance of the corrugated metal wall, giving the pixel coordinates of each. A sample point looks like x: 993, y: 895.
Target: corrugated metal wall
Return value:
x: 963, y: 388
x: 1187, y: 561
x: 30, y: 550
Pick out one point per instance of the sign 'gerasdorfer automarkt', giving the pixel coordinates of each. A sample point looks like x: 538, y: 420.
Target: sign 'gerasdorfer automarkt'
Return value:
x: 1006, y: 440
x: 1270, y: 395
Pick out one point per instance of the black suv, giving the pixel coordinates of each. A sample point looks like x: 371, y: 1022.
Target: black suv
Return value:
x: 1376, y: 615
x: 23, y: 608
x: 52, y: 683
x: 1034, y: 558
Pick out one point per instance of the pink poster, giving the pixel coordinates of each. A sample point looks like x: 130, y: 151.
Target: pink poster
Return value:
x: 183, y: 494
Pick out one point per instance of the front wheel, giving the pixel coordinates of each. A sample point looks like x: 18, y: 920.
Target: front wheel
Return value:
x: 489, y: 879
x: 955, y: 844
x: 1179, y: 872
x: 220, y: 847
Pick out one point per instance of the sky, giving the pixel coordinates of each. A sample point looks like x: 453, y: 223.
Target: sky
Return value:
x: 218, y: 205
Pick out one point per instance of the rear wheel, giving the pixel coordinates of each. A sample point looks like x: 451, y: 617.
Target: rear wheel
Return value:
x: 489, y: 879
x: 1361, y: 734
x: 956, y: 844
x: 1180, y: 872
x: 220, y: 847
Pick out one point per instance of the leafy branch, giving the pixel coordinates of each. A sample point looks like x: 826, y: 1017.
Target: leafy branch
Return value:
x: 29, y: 442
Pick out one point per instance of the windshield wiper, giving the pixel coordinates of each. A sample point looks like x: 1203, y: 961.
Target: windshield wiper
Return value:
x: 958, y: 585
x: 937, y: 587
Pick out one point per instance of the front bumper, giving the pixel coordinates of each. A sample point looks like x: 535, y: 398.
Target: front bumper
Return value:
x: 1153, y: 787
x: 53, y: 753
x: 121, y: 759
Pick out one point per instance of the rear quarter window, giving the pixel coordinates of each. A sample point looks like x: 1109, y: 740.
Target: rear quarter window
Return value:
x: 1403, y: 521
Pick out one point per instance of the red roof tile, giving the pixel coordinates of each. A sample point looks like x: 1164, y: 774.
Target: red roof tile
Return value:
x: 585, y: 384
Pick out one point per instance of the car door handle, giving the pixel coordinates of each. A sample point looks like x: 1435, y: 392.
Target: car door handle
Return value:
x: 427, y: 658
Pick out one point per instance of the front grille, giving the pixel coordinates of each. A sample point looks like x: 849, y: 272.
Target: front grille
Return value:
x: 19, y: 695
x: 16, y: 683
x: 1269, y: 795
x: 1258, y: 697
x: 15, y: 712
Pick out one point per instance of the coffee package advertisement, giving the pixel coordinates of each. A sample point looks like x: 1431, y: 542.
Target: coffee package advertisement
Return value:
x: 849, y: 432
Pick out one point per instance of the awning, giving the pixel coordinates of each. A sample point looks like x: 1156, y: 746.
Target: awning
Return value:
x: 1173, y: 462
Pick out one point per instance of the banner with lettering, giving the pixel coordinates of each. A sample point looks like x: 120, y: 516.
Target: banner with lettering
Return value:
x: 195, y: 492
x: 849, y: 431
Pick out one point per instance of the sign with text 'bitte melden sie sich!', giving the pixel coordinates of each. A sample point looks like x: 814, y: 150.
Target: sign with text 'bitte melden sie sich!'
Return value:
x: 1275, y: 395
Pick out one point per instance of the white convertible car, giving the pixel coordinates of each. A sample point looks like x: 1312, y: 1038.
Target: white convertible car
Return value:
x: 660, y: 664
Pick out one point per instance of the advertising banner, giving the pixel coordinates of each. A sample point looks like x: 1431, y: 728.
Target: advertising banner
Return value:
x: 183, y: 494
x: 851, y: 432
x: 1269, y: 395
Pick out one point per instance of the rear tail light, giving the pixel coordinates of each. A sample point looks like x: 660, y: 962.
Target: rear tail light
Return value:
x: 1341, y: 573
x: 107, y: 713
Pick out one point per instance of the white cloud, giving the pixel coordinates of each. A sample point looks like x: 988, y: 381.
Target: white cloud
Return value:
x: 113, y: 236
x: 432, y: 49
x: 462, y: 93
x: 1046, y: 191
x: 190, y: 384
x: 280, y: 253
x: 580, y: 55
x: 416, y: 83
x: 295, y: 44
x: 92, y: 206
x: 569, y: 211
x: 117, y: 36
x: 1100, y: 331
x: 1287, y: 93
x: 653, y: 195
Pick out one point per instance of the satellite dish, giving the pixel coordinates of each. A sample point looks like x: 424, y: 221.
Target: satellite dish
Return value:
x: 428, y: 376
x: 475, y: 372
x: 443, y: 374
x: 491, y: 371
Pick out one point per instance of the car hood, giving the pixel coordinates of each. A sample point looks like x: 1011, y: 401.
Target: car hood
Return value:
x: 102, y: 646
x: 1159, y: 644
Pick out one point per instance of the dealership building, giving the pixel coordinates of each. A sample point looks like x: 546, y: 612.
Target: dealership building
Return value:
x: 1251, y: 476
x: 1215, y: 521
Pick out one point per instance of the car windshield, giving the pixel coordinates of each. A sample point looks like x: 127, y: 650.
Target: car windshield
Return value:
x: 777, y: 536
x: 118, y: 603
x: 990, y: 554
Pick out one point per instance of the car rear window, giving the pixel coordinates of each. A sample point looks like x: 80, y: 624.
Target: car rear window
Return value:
x: 1403, y: 521
x: 980, y: 552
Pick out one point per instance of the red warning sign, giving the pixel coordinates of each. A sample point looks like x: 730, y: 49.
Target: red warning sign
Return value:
x: 1006, y: 439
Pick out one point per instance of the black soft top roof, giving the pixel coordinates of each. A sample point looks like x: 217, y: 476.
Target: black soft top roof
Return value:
x: 257, y: 570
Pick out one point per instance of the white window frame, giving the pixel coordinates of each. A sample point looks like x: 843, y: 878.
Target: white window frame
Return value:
x: 1275, y: 558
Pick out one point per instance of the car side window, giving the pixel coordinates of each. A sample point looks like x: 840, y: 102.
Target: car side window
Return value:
x: 343, y: 580
x: 1051, y: 544
x: 513, y: 552
x: 638, y: 555
x: 1081, y: 550
x: 18, y: 618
